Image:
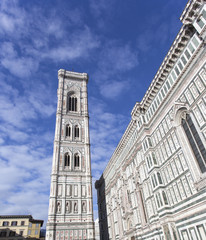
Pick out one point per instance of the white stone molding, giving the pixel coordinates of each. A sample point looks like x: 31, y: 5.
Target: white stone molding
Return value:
x: 179, y: 108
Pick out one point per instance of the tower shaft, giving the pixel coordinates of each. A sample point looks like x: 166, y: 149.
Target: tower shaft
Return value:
x: 70, y: 205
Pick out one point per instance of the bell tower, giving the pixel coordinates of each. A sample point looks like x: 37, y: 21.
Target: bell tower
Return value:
x: 70, y: 205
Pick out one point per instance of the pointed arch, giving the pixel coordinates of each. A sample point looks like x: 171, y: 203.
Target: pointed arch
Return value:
x: 72, y: 102
x: 129, y: 224
x: 68, y: 130
x: 194, y: 140
x: 76, y: 131
x: 67, y: 159
x: 76, y: 161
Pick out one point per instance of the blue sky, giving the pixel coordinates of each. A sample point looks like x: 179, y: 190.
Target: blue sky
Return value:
x: 119, y: 43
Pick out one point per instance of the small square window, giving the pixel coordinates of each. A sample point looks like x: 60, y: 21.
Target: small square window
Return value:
x: 168, y: 85
x: 200, y: 23
x: 5, y: 224
x: 194, y: 40
x: 14, y: 223
x: 173, y: 75
x: 184, y: 60
x: 180, y: 65
x: 191, y: 48
x: 177, y: 71
x: 204, y: 14
x: 187, y: 54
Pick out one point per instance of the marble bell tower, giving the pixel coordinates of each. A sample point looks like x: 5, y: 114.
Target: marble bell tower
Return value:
x: 70, y: 206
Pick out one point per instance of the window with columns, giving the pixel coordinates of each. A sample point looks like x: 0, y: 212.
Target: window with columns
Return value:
x: 72, y: 103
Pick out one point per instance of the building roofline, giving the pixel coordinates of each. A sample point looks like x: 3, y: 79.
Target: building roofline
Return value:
x: 189, y: 10
x: 31, y: 219
x: 16, y: 216
x: 37, y: 221
x: 177, y: 47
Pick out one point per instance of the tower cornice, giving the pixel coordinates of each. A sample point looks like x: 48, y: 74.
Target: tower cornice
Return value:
x: 73, y: 75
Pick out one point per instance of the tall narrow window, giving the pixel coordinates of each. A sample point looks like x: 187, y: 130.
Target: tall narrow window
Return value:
x: 143, y: 207
x: 164, y: 198
x: 76, y: 160
x: 129, y: 197
x: 76, y: 131
x: 154, y: 159
x: 68, y: 131
x: 195, y: 142
x: 159, y: 178
x: 72, y: 103
x: 67, y: 160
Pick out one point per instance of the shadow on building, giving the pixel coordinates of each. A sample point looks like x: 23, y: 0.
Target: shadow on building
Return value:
x: 102, y: 209
x: 7, y: 233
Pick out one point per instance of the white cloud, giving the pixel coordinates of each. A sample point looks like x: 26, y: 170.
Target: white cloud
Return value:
x: 31, y: 34
x: 18, y: 109
x: 113, y: 89
x: 117, y: 57
x: 26, y: 148
x: 115, y: 60
x: 20, y: 67
x: 43, y: 108
x: 106, y: 129
x: 13, y: 133
x: 17, y: 65
x: 25, y: 172
x: 16, y: 113
x: 11, y: 17
x: 103, y: 11
x: 78, y: 45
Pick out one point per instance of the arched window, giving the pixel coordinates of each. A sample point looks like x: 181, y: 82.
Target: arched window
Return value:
x: 195, y: 142
x: 73, y: 103
x: 76, y: 131
x: 129, y: 224
x: 76, y: 160
x: 67, y: 160
x: 68, y: 131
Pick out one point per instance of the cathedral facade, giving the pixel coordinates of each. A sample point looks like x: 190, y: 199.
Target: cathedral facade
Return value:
x: 70, y: 205
x: 154, y: 186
